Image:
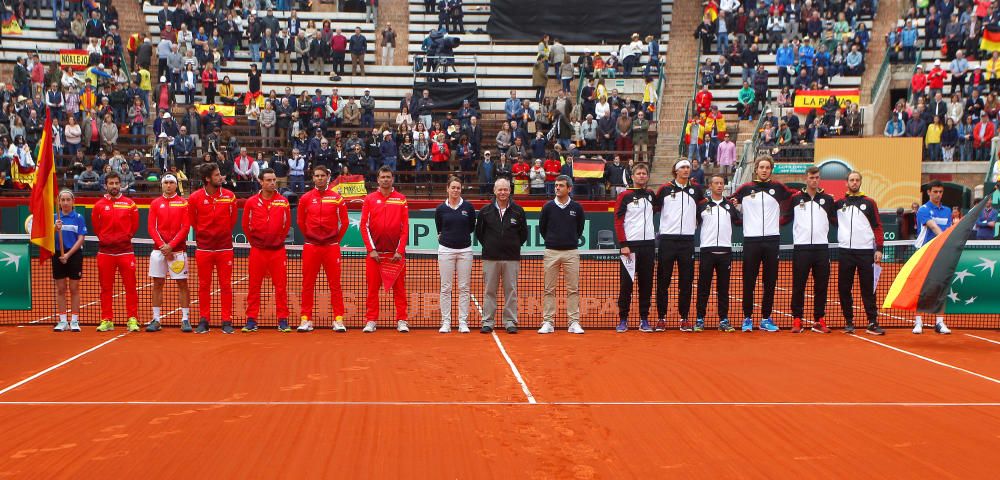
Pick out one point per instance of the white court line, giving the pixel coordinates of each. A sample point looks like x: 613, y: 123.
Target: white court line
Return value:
x: 510, y: 404
x: 510, y: 363
x: 64, y: 362
x: 982, y: 338
x: 91, y: 303
x: 927, y: 359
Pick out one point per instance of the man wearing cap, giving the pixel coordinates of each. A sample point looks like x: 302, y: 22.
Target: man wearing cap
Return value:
x: 168, y: 226
x: 936, y: 77
x: 678, y: 203
x: 267, y: 218
x: 213, y: 214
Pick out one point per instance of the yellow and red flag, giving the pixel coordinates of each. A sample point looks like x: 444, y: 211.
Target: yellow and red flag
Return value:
x: 991, y: 39
x: 43, y: 195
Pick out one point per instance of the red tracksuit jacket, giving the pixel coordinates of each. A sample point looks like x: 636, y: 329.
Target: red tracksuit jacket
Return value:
x: 385, y: 221
x: 266, y: 222
x: 168, y: 222
x: 115, y: 221
x: 322, y: 217
x: 213, y: 218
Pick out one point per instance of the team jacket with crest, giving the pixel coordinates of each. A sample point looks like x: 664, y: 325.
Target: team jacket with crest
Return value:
x: 859, y: 225
x: 169, y: 222
x: 322, y: 216
x: 115, y: 221
x: 812, y: 219
x: 762, y: 204
x: 678, y: 209
x: 384, y: 222
x: 634, y: 217
x: 213, y: 218
x: 716, y: 219
x: 266, y: 222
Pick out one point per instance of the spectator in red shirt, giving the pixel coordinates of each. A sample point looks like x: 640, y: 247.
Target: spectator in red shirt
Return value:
x: 322, y: 218
x: 338, y: 46
x: 440, y: 156
x: 703, y: 99
x: 552, y: 167
x: 385, y: 219
x: 936, y: 78
x: 213, y: 215
x: 115, y: 219
x: 521, y: 171
x: 168, y: 226
x: 919, y: 82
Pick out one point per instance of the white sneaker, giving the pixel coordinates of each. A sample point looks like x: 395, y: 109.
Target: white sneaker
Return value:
x: 74, y: 325
x: 546, y: 328
x: 305, y: 326
x: 918, y: 327
x: 403, y: 327
x: 369, y: 327
x: 61, y: 326
x: 339, y: 327
x: 575, y: 328
x: 463, y: 327
x: 445, y: 327
x: 941, y: 328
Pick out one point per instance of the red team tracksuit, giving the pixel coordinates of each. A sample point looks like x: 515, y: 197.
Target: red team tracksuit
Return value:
x: 213, y: 218
x: 266, y: 224
x: 322, y: 217
x: 384, y: 224
x: 115, y: 221
x: 169, y: 222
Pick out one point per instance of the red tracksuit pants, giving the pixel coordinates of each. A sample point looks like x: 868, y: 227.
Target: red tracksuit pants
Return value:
x: 373, y: 275
x: 107, y: 267
x: 220, y: 261
x: 327, y: 257
x: 273, y: 263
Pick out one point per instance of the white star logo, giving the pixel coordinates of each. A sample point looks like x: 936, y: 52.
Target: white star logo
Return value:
x: 987, y: 265
x: 953, y: 296
x: 355, y: 222
x: 11, y: 259
x: 960, y: 276
x: 970, y: 301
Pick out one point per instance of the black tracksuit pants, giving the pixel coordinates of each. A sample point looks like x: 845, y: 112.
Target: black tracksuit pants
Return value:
x: 755, y: 253
x: 645, y: 257
x: 681, y: 252
x: 862, y: 262
x: 816, y: 261
x: 717, y: 263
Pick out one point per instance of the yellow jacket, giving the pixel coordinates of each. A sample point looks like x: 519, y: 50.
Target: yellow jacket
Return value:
x: 933, y: 134
x: 992, y: 69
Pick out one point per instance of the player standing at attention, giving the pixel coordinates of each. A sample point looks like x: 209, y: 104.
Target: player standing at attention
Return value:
x: 813, y: 212
x: 677, y: 202
x: 716, y: 217
x: 266, y: 220
x: 322, y: 217
x: 168, y: 226
x: 859, y: 237
x: 385, y: 221
x: 115, y: 220
x: 637, y: 238
x: 932, y: 219
x: 213, y: 215
x: 762, y: 203
x: 455, y: 220
x: 67, y: 268
x: 561, y: 224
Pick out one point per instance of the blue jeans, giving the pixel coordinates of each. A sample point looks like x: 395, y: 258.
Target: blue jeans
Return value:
x: 722, y: 43
x: 227, y: 51
x: 367, y: 120
x: 138, y: 129
x: 389, y: 162
x: 694, y: 151
x: 268, y: 61
x: 255, y: 52
x: 297, y: 183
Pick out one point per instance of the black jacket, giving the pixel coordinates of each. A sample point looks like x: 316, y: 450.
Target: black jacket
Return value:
x: 501, y: 238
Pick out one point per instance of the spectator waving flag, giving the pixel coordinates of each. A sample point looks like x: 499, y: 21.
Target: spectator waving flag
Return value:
x: 991, y: 38
x: 712, y: 10
x: 10, y: 24
x: 946, y: 277
x: 43, y: 195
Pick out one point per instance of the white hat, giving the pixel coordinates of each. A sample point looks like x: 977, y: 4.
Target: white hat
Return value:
x: 937, y: 63
x: 168, y: 178
x: 163, y: 79
x: 169, y: 23
x: 162, y: 135
x: 166, y: 114
x: 386, y: 133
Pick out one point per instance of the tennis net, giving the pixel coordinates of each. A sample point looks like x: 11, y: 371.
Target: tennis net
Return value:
x: 599, y: 283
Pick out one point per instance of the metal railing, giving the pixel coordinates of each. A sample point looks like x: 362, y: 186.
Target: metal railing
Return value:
x: 435, y: 67
x: 689, y: 110
x: 744, y: 169
x: 880, y: 79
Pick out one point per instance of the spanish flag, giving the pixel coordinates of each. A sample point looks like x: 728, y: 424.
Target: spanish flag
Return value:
x: 712, y: 10
x: 11, y: 26
x: 991, y: 39
x: 928, y: 282
x: 43, y: 195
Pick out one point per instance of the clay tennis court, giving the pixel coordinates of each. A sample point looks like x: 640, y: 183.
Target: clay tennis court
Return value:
x: 425, y: 405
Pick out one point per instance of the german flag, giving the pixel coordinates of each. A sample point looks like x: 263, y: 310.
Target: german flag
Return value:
x: 588, y: 168
x: 43, y: 195
x: 991, y: 39
x: 924, y: 282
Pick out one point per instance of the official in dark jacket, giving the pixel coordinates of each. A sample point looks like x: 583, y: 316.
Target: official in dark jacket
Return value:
x: 501, y: 229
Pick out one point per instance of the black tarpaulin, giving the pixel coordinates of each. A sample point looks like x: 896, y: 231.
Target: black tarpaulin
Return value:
x: 448, y: 94
x: 574, y: 21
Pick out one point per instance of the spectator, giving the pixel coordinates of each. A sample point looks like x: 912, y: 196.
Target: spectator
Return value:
x: 932, y: 139
x: 746, y: 99
x: 88, y: 180
x: 358, y: 46
x: 982, y: 138
x: 986, y: 223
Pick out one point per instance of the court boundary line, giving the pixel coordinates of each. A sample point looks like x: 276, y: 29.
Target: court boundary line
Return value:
x: 60, y: 364
x: 981, y: 338
x: 90, y: 304
x: 504, y: 404
x: 503, y: 351
x: 928, y: 359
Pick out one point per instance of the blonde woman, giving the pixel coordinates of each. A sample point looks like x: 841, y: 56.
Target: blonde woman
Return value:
x: 455, y: 220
